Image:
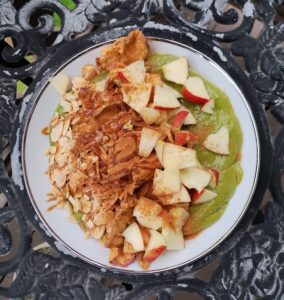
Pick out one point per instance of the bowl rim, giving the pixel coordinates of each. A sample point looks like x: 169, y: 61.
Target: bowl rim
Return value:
x: 117, y: 269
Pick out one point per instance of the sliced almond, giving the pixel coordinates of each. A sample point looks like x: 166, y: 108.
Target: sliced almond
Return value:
x: 90, y: 224
x: 56, y: 132
x: 66, y: 126
x: 98, y: 232
x: 59, y: 177
x: 75, y: 203
x: 86, y: 206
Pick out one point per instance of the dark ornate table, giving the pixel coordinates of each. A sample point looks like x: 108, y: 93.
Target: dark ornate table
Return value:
x: 250, y: 263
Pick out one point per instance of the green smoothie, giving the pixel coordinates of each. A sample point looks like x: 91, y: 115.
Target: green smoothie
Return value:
x: 204, y: 215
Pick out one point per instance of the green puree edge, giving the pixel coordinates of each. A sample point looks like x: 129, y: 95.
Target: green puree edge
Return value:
x: 204, y: 215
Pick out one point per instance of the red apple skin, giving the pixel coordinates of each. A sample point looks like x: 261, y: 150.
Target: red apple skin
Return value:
x: 215, y: 177
x: 153, y: 254
x: 181, y: 137
x: 187, y: 95
x: 120, y: 261
x: 195, y: 195
x: 164, y: 108
x: 121, y: 77
x: 179, y: 119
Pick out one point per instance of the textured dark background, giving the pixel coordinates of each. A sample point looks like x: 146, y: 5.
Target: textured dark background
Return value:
x: 249, y: 265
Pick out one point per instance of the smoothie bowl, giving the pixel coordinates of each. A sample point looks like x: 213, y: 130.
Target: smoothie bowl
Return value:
x: 147, y: 154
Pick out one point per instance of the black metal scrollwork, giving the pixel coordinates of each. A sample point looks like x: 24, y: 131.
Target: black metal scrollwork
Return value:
x: 254, y: 268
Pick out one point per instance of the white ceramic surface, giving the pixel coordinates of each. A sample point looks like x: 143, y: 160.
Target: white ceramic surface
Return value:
x: 71, y: 235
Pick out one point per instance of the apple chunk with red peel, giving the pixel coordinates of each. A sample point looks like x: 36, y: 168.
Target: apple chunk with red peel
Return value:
x: 166, y: 182
x: 189, y: 119
x: 176, y: 71
x: 178, y: 157
x: 148, y: 140
x: 195, y: 91
x: 136, y: 95
x: 61, y: 82
x: 215, y: 178
x: 218, y: 142
x: 135, y: 72
x: 164, y: 99
x: 185, y: 137
x: 181, y: 197
x: 195, y: 178
x: 208, y: 107
x: 159, y: 150
x: 120, y: 78
x: 155, y: 247
x: 179, y: 120
x: 132, y: 235
x: 149, y: 115
x: 174, y: 239
x: 202, y: 197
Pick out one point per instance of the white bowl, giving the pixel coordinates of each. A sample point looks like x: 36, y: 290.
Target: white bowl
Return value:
x: 70, y: 234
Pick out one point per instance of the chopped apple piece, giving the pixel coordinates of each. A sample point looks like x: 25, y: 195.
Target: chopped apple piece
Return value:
x: 149, y: 115
x: 146, y: 208
x: 151, y: 222
x: 182, y: 137
x: 136, y: 95
x: 135, y: 72
x: 195, y: 91
x: 164, y: 99
x: 166, y: 182
x: 174, y: 239
x: 189, y: 119
x: 180, y: 217
x: 155, y: 247
x: 61, y: 82
x: 133, y: 236
x: 218, y: 142
x: 159, y: 150
x: 176, y: 71
x: 163, y: 115
x: 181, y: 197
x: 195, y: 178
x: 185, y: 137
x: 202, y: 197
x: 214, y: 179
x: 148, y: 140
x: 208, y: 107
x: 172, y: 90
x: 145, y: 235
x: 179, y: 119
x: 120, y: 78
x: 178, y: 157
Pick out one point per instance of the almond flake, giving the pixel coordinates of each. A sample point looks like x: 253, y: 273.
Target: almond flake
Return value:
x: 98, y: 232
x: 56, y: 132
x: 66, y: 126
x: 59, y: 177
